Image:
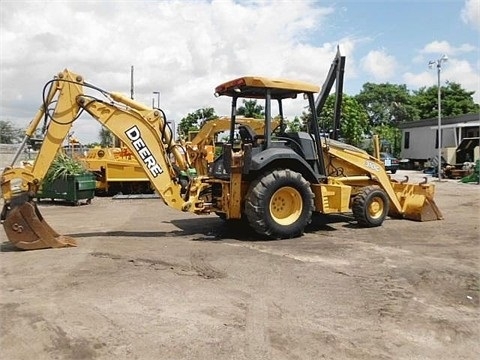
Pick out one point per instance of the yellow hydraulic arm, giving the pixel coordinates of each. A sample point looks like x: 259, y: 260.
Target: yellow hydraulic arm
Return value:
x: 411, y: 201
x: 67, y: 86
x: 139, y: 127
x: 22, y: 221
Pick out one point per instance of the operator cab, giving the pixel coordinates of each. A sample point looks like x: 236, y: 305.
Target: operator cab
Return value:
x: 299, y: 150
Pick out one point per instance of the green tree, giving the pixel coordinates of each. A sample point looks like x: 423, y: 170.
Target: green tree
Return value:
x: 194, y: 119
x: 106, y: 139
x: 251, y: 109
x: 9, y: 134
x: 387, y: 103
x: 305, y: 119
x: 295, y: 125
x: 353, y: 119
x: 455, y: 101
x: 390, y: 138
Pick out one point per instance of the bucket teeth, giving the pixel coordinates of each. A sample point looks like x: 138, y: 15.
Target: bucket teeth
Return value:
x: 26, y: 229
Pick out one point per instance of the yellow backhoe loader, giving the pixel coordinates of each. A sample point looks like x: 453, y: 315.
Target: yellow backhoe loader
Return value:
x: 275, y: 182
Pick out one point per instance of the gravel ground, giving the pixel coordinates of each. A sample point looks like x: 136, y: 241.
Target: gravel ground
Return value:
x: 148, y: 282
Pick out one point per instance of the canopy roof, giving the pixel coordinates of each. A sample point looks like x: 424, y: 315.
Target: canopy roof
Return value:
x: 254, y: 87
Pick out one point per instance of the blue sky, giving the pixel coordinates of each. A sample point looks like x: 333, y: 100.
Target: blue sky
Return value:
x: 183, y: 49
x: 410, y: 34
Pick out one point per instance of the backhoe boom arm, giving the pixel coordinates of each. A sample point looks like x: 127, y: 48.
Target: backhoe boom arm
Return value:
x: 138, y: 127
x: 142, y: 129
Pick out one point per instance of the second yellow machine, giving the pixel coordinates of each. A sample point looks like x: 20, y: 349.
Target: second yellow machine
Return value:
x: 117, y: 170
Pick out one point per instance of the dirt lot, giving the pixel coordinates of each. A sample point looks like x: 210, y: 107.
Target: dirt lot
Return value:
x: 147, y: 282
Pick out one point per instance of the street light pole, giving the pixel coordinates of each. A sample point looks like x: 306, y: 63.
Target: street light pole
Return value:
x: 438, y: 64
x: 158, y: 98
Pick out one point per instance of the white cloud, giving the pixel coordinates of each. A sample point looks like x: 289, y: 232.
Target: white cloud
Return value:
x: 182, y: 49
x: 459, y: 71
x: 379, y: 64
x: 444, y: 47
x: 419, y: 80
x: 185, y: 48
x: 471, y: 13
x: 456, y: 69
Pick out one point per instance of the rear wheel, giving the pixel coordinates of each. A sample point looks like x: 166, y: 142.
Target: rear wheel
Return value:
x: 370, y: 206
x: 279, y: 204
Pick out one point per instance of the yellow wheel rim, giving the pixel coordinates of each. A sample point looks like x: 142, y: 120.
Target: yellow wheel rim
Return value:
x: 286, y: 205
x: 376, y: 207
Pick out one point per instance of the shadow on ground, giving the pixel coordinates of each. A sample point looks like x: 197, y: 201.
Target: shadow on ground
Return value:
x: 211, y: 229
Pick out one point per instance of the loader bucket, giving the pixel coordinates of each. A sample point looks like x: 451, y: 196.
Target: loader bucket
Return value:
x: 417, y: 201
x: 26, y: 229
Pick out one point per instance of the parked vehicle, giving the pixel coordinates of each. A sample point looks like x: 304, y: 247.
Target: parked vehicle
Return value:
x: 391, y: 163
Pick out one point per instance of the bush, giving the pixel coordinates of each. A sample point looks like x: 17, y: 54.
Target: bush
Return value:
x: 63, y: 166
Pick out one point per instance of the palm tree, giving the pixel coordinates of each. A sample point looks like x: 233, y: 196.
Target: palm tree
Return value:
x: 251, y: 109
x: 194, y: 120
x: 106, y: 139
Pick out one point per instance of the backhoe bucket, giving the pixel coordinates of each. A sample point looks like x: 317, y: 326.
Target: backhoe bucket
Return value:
x: 26, y: 229
x: 417, y: 201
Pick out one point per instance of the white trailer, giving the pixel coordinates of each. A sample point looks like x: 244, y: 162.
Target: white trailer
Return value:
x: 420, y: 139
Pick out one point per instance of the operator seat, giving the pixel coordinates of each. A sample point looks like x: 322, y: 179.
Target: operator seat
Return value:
x: 246, y: 134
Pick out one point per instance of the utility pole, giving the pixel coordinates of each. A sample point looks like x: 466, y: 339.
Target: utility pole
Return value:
x: 438, y: 64
x: 131, y: 82
x: 158, y: 99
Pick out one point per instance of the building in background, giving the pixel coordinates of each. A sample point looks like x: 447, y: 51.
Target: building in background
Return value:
x: 460, y: 140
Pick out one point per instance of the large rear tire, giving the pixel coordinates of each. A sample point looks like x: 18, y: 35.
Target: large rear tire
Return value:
x: 370, y: 206
x: 279, y: 204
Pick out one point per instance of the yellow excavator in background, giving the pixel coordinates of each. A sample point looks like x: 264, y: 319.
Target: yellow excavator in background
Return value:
x: 275, y: 182
x: 201, y: 148
x: 118, y: 171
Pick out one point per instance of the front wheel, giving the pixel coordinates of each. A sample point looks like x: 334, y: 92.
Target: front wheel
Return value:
x: 279, y: 204
x: 370, y: 206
